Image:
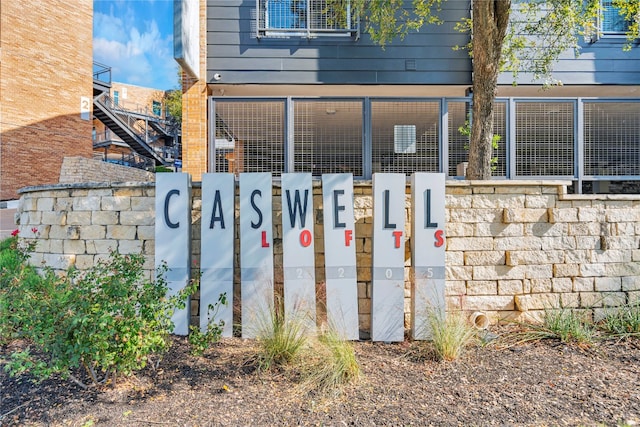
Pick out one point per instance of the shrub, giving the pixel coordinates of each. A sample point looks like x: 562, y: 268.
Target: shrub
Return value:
x: 199, y: 340
x: 107, y: 320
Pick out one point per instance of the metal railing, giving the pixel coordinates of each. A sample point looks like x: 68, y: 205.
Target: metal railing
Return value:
x: 101, y: 73
x: 581, y: 139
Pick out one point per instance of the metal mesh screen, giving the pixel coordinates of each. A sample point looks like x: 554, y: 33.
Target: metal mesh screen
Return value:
x: 459, y: 111
x: 612, y: 138
x: 328, y: 136
x: 544, y: 138
x: 394, y: 149
x: 304, y: 17
x: 250, y: 136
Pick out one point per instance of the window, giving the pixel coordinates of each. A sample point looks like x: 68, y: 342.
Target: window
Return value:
x: 612, y: 22
x: 304, y: 18
x: 116, y: 97
x: 157, y: 108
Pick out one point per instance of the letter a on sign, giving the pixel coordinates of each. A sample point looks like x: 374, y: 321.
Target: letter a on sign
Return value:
x: 216, y: 254
x: 256, y: 251
x: 427, y: 251
x: 340, y: 254
x: 173, y: 238
x: 298, y: 258
x: 387, y: 297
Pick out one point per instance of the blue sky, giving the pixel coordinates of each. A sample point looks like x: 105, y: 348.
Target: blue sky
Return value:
x: 135, y: 38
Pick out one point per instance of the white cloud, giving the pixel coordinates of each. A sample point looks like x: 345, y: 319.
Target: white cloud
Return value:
x: 134, y: 47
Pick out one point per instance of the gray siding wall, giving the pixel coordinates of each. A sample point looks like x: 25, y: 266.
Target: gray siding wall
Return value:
x: 234, y: 52
x: 602, y: 62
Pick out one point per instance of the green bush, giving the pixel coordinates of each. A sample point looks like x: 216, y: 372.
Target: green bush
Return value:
x: 199, y: 340
x: 450, y: 334
x: 107, y: 320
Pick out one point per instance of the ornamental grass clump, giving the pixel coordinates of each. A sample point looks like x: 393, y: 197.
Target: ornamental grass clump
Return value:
x: 328, y: 363
x: 623, y: 322
x: 450, y: 334
x: 280, y: 338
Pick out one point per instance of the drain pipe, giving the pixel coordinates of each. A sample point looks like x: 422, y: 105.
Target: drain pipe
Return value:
x: 479, y: 320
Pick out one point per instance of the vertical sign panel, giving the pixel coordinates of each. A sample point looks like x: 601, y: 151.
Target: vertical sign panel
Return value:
x: 173, y: 237
x: 256, y: 251
x: 387, y: 298
x: 298, y: 259
x: 428, y: 251
x: 340, y: 254
x: 217, y: 237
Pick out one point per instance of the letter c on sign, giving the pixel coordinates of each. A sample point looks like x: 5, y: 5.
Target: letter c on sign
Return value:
x: 170, y: 224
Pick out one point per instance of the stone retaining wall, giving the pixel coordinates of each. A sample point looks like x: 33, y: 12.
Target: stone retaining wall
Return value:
x: 80, y: 169
x: 513, y: 248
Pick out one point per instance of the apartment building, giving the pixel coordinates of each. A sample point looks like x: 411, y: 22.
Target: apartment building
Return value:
x: 45, y: 89
x: 284, y: 85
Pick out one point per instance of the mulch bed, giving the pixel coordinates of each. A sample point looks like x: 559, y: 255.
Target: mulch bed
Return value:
x: 535, y: 384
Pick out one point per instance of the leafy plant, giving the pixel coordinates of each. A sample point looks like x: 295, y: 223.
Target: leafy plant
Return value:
x: 106, y: 320
x: 623, y: 322
x: 465, y: 130
x: 450, y: 334
x: 199, y: 340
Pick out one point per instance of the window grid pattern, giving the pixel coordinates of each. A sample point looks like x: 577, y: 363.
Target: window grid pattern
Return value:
x: 303, y: 17
x: 545, y: 139
x: 425, y: 116
x: 328, y: 137
x: 250, y: 136
x: 612, y: 138
x: 611, y: 21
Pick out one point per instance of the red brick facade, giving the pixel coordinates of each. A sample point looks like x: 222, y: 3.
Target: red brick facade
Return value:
x: 45, y: 70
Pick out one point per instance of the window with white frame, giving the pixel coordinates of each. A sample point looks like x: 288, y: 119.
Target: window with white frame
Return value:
x: 611, y: 21
x: 305, y: 18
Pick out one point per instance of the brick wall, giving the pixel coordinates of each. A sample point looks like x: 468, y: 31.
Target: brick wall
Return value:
x: 194, y: 111
x: 513, y: 248
x: 44, y: 72
x: 79, y: 169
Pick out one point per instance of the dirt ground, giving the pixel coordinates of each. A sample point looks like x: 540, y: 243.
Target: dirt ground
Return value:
x: 537, y: 384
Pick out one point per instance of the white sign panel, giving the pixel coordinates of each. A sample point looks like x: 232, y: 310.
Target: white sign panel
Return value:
x: 216, y: 259
x: 298, y: 258
x: 427, y: 251
x: 387, y: 298
x: 173, y: 237
x: 186, y: 40
x: 340, y: 254
x: 256, y: 251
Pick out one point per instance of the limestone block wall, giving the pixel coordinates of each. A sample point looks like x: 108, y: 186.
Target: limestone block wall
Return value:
x: 80, y: 169
x: 514, y: 248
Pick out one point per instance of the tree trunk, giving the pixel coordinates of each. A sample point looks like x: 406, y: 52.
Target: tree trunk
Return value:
x: 490, y: 21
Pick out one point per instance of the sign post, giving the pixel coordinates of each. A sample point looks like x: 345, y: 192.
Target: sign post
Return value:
x: 256, y: 251
x: 387, y: 297
x: 216, y: 254
x: 427, y: 252
x: 173, y: 238
x: 298, y: 258
x: 340, y: 254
